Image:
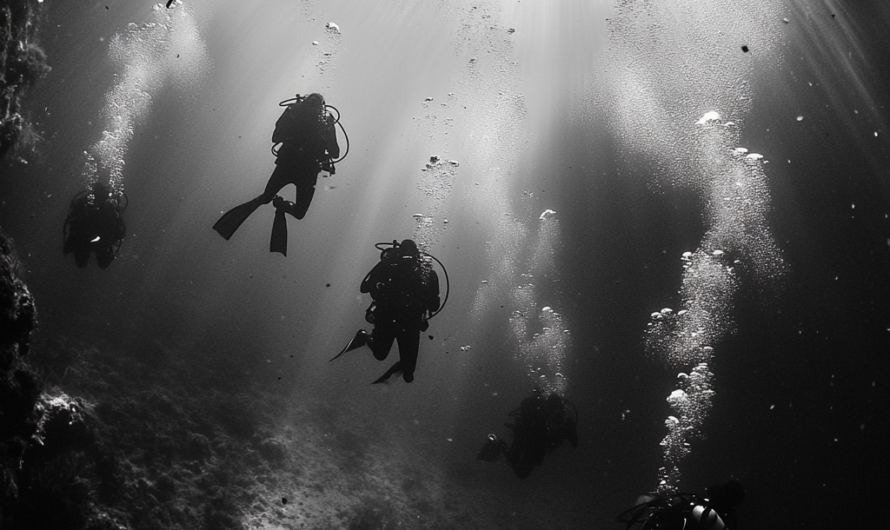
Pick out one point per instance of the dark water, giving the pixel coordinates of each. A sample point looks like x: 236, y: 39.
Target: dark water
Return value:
x: 589, y: 110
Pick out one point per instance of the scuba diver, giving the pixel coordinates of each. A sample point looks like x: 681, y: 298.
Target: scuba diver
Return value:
x: 308, y: 145
x: 540, y: 425
x: 95, y: 224
x: 687, y: 511
x: 404, y: 290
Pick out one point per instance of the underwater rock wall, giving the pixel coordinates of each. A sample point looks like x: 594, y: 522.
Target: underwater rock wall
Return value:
x: 17, y: 312
x: 22, y: 62
x: 19, y: 386
x: 45, y: 438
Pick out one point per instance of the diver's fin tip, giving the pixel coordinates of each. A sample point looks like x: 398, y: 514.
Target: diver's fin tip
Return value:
x: 231, y: 220
x: 220, y: 232
x: 357, y: 341
x: 394, y: 369
x: 278, y: 243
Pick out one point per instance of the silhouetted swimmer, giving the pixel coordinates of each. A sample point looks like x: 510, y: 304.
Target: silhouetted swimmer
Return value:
x: 95, y: 224
x: 539, y: 426
x: 308, y: 145
x: 687, y: 511
x: 405, y: 293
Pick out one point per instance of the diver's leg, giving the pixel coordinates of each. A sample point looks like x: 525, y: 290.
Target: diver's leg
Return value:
x: 523, y: 466
x: 381, y: 340
x: 518, y: 457
x: 81, y: 256
x: 305, y: 192
x: 280, y: 178
x: 304, y: 198
x: 409, y: 345
x: 104, y: 257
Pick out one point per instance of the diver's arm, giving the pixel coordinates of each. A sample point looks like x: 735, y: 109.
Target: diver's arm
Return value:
x: 282, y: 126
x: 366, y: 284
x: 433, y: 286
x: 370, y: 280
x: 330, y: 138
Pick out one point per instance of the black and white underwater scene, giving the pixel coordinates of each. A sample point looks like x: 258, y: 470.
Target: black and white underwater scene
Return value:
x: 444, y: 264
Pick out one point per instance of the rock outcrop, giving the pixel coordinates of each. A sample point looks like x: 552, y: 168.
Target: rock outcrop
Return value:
x: 19, y: 386
x: 22, y: 62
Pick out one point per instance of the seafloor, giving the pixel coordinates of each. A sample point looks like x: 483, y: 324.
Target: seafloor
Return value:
x: 159, y: 442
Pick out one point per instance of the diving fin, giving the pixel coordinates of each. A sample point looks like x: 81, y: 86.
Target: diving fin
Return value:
x: 231, y: 220
x: 359, y: 340
x: 394, y: 369
x: 279, y: 233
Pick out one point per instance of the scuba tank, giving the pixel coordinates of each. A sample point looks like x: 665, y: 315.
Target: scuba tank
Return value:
x: 290, y: 114
x: 391, y: 253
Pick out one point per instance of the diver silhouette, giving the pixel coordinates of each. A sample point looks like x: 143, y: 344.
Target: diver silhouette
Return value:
x: 95, y: 224
x: 687, y: 511
x: 539, y: 426
x: 308, y: 145
x: 404, y: 290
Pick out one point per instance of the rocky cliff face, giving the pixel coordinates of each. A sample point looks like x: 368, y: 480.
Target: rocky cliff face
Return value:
x: 47, y: 439
x: 22, y: 62
x: 19, y: 387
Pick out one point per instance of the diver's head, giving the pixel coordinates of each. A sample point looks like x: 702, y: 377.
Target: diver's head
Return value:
x: 554, y: 400
x: 408, y: 248
x: 313, y: 105
x: 100, y: 188
x: 314, y: 99
x: 100, y: 194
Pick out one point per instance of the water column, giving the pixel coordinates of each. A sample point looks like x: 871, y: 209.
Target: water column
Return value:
x: 540, y: 332
x: 165, y: 51
x: 678, y: 83
x: 521, y: 235
x: 737, y: 246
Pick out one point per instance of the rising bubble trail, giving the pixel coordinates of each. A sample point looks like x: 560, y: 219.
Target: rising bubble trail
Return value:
x: 166, y: 51
x: 673, y: 111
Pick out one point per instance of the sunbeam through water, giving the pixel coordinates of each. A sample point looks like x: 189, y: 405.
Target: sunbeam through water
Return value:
x: 673, y: 214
